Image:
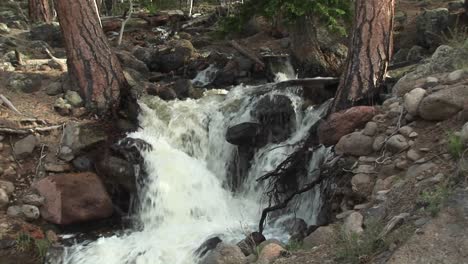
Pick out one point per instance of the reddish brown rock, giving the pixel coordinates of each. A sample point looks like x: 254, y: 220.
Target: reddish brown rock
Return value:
x: 73, y: 198
x: 344, y: 122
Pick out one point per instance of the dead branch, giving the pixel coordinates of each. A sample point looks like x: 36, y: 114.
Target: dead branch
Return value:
x: 122, y: 28
x: 9, y: 104
x: 249, y: 54
x: 61, y: 62
x: 29, y: 130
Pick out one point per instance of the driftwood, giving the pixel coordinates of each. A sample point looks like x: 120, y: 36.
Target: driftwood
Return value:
x: 9, y: 104
x: 249, y: 54
x: 61, y: 62
x: 29, y: 130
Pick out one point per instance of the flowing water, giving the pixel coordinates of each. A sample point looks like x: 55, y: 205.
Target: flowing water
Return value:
x: 186, y: 199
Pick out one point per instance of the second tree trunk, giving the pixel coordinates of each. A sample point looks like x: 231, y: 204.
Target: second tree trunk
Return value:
x: 369, y: 53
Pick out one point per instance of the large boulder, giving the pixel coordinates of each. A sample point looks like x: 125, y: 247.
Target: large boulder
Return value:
x: 276, y: 115
x: 224, y: 254
x: 430, y: 25
x: 49, y: 33
x: 270, y: 253
x: 73, y: 198
x: 244, y: 134
x: 324, y: 235
x: 128, y: 60
x: 443, y: 104
x: 343, y: 123
x: 24, y: 83
x: 413, y: 99
x: 356, y: 144
x: 177, y: 55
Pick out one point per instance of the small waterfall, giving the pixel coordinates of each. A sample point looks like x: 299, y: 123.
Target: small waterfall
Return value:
x: 280, y: 68
x: 206, y: 76
x: 185, y: 199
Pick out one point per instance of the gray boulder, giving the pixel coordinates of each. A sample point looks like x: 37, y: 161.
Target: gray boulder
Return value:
x: 444, y: 103
x: 24, y: 83
x: 413, y: 99
x: 356, y: 144
x: 224, y: 254
x: 25, y: 146
x: 397, y: 143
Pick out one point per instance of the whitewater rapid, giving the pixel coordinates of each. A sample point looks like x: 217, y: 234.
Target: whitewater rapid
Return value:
x: 186, y: 199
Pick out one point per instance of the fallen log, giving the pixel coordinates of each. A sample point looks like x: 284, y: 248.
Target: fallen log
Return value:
x: 29, y: 130
x: 249, y: 54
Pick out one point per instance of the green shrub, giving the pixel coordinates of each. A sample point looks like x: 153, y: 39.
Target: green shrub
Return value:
x: 357, y: 248
x: 455, y: 145
x: 434, y: 200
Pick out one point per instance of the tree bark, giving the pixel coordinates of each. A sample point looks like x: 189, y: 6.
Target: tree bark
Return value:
x: 92, y: 66
x: 39, y: 11
x: 369, y: 53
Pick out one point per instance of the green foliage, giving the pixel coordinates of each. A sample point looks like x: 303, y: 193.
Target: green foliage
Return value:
x: 294, y: 245
x: 357, y: 248
x: 435, y: 199
x: 23, y: 241
x: 330, y: 12
x: 455, y: 145
x: 42, y: 246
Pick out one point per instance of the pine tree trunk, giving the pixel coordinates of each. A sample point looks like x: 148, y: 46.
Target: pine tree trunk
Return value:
x: 39, y: 11
x: 369, y: 53
x: 92, y: 66
x: 306, y: 48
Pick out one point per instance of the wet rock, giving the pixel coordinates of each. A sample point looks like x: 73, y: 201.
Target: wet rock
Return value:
x: 24, y: 83
x: 355, y: 144
x: 128, y: 60
x: 413, y: 99
x: 276, y: 115
x: 362, y: 184
x: 4, y: 200
x: 73, y: 98
x: 78, y: 136
x: 322, y: 236
x: 244, y: 134
x: 443, y: 104
x: 208, y: 245
x: 249, y: 244
x: 431, y: 24
x: 7, y: 186
x: 164, y: 92
x: 176, y: 56
x: 119, y: 171
x: 24, y: 147
x: 297, y: 229
x: 4, y: 28
x: 62, y: 107
x: 270, y: 253
x: 224, y: 254
x: 73, y: 198
x: 49, y: 33
x: 83, y: 163
x: 353, y: 223
x: 182, y: 88
x: 54, y: 88
x: 33, y: 199
x: 397, y: 143
x: 343, y: 123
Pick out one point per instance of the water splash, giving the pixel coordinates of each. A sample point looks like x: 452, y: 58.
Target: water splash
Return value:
x: 184, y: 201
